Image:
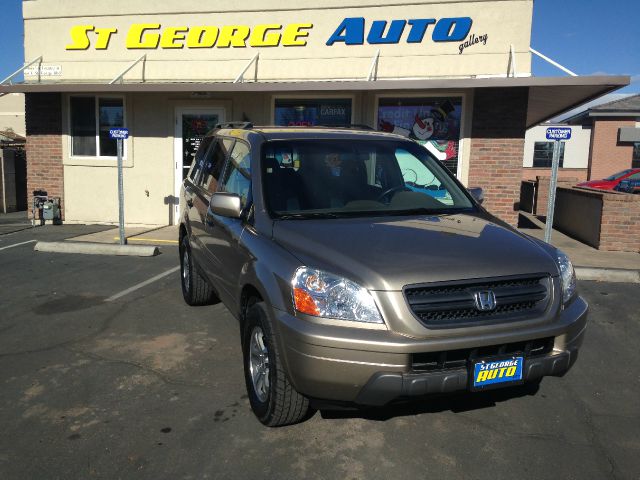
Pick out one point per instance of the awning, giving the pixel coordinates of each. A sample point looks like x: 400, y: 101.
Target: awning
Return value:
x: 548, y: 96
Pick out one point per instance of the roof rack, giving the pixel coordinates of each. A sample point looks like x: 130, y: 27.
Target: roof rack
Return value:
x: 242, y: 125
x: 355, y: 126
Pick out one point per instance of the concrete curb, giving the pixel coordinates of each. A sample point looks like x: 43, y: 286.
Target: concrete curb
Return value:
x: 88, y: 248
x: 608, y: 274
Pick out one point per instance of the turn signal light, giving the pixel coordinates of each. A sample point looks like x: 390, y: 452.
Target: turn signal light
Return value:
x: 304, y: 302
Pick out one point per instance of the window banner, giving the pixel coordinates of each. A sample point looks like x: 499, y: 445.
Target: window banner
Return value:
x: 434, y: 122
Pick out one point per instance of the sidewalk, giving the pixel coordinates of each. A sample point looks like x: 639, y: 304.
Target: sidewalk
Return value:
x: 584, y: 258
x: 13, y: 222
x: 135, y: 236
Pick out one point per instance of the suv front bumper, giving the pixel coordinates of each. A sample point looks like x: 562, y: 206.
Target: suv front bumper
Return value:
x: 374, y: 367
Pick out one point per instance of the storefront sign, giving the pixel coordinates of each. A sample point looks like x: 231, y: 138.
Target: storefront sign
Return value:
x: 44, y: 70
x: 351, y: 31
x: 153, y: 35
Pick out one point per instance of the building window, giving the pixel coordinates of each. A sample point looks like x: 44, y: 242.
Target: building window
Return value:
x: 543, y: 154
x: 432, y: 121
x: 91, y: 119
x: 635, y: 161
x: 306, y: 113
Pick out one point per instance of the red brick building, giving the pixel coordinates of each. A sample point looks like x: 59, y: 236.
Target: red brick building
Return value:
x: 615, y: 136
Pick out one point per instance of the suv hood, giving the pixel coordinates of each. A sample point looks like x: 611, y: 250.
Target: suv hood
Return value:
x: 387, y: 253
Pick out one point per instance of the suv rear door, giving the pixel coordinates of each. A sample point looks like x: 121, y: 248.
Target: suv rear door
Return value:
x: 199, y: 195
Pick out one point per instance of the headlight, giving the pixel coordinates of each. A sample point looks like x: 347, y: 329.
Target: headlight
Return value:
x: 323, y: 294
x: 567, y: 275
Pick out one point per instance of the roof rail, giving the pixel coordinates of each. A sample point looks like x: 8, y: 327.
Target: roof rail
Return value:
x: 242, y: 125
x: 355, y: 126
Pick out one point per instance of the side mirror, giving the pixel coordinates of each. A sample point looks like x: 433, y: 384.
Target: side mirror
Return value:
x: 477, y: 194
x: 226, y: 204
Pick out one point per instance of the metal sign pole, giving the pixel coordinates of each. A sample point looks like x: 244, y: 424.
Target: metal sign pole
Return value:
x: 557, y: 135
x: 123, y: 240
x: 548, y: 226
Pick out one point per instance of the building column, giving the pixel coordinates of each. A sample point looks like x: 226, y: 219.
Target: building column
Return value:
x: 43, y: 118
x: 497, y: 148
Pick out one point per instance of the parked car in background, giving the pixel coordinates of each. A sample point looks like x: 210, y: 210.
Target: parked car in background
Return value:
x: 611, y: 182
x: 630, y: 184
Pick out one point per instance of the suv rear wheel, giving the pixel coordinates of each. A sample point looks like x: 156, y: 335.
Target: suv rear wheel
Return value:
x: 195, y: 289
x: 273, y: 399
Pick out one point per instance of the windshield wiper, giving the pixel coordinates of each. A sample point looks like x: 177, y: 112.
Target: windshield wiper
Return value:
x: 427, y: 211
x: 307, y: 216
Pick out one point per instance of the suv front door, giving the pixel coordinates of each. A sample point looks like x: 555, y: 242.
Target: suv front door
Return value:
x: 223, y: 234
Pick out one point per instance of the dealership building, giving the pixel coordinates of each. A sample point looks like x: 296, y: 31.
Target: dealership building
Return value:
x: 455, y: 76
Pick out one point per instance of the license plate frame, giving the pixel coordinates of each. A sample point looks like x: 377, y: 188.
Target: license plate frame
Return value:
x: 495, y: 364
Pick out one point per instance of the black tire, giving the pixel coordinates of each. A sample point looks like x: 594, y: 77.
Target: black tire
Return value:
x: 195, y: 289
x: 283, y: 405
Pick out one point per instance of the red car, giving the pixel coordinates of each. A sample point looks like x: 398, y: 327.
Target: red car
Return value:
x: 611, y: 182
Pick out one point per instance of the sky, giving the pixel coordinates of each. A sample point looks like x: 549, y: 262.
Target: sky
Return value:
x: 589, y: 37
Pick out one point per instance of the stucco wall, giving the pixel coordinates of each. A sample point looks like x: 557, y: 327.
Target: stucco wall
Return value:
x: 48, y: 25
x: 91, y: 183
x: 576, y: 150
x: 12, y: 113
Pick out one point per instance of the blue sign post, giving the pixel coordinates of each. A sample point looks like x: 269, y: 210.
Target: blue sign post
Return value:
x: 120, y: 134
x: 557, y: 134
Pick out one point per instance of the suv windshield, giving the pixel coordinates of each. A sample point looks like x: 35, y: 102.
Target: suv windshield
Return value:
x: 330, y: 178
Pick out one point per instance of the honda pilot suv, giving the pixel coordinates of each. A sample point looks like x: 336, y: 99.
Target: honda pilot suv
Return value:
x: 361, y: 271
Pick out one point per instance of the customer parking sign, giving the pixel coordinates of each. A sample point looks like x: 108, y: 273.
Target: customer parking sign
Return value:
x: 119, y: 133
x: 558, y: 133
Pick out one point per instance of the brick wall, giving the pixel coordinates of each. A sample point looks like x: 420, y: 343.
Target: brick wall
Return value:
x: 542, y: 193
x: 497, y: 148
x: 43, y: 113
x: 607, y: 155
x: 620, y: 221
x: 580, y: 174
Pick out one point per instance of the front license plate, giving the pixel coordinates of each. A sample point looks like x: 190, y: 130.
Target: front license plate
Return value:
x: 490, y: 373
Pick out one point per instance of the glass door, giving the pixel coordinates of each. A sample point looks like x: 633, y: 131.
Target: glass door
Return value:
x: 192, y: 124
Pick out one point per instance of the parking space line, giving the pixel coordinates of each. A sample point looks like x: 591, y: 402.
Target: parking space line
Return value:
x: 18, y: 244
x: 141, y: 284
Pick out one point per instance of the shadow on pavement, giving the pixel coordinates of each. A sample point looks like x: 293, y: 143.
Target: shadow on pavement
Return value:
x: 454, y: 402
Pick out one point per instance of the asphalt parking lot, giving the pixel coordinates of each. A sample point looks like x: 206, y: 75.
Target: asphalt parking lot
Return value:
x: 143, y: 386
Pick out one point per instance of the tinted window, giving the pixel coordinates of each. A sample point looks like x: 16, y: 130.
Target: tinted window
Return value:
x: 110, y: 115
x: 91, y: 120
x: 212, y: 165
x: 83, y: 126
x: 543, y: 154
x: 616, y: 176
x: 198, y: 162
x: 351, y: 178
x: 237, y: 175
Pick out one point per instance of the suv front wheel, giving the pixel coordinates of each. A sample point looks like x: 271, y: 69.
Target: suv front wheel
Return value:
x: 273, y: 399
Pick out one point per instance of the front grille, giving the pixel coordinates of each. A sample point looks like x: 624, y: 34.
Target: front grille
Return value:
x: 453, y: 305
x: 452, y: 359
